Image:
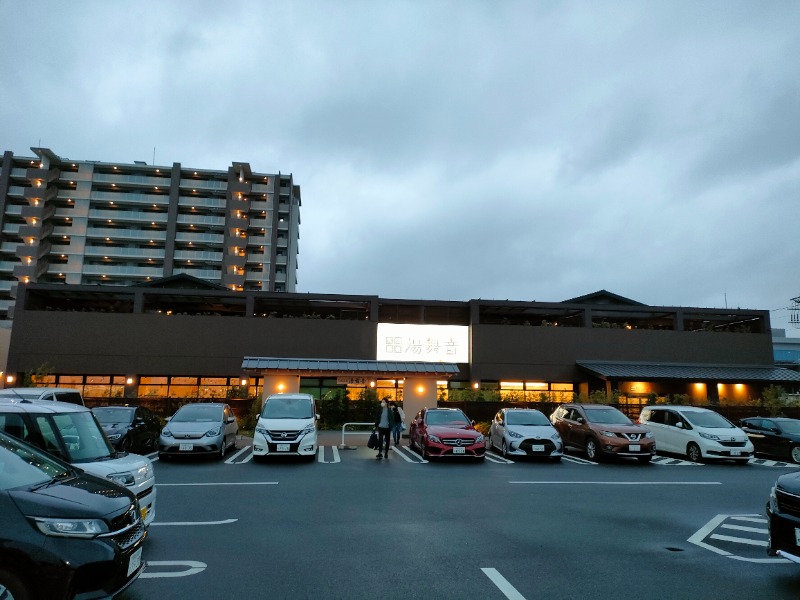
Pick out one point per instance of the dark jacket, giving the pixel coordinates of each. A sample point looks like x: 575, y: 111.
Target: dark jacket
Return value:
x: 391, y: 416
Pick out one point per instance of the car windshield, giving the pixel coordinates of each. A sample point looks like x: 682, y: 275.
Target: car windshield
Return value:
x: 82, y: 436
x: 22, y: 466
x: 708, y: 419
x: 108, y: 415
x: 526, y: 417
x: 288, y: 408
x: 606, y: 416
x: 192, y: 413
x: 446, y: 417
x: 791, y: 427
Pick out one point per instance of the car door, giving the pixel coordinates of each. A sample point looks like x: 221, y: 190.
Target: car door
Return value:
x: 576, y: 426
x: 497, y: 430
x: 752, y: 427
x: 773, y: 442
x: 231, y: 426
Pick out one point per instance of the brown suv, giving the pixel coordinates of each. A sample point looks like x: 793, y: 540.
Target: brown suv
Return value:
x: 600, y: 430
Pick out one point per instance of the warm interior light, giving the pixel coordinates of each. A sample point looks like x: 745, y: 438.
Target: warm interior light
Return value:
x: 9, y: 379
x: 243, y: 381
x: 129, y: 380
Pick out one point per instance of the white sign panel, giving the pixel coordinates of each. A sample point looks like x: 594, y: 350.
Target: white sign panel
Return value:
x: 423, y: 343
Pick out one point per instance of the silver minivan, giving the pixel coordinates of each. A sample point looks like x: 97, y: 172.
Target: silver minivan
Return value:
x: 698, y: 433
x: 36, y: 394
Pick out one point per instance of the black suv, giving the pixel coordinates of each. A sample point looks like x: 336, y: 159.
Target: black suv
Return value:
x: 783, y: 511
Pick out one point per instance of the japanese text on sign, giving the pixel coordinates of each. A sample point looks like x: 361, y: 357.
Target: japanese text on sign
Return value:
x: 423, y: 343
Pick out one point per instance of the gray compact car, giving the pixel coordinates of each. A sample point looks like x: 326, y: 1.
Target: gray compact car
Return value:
x: 203, y: 428
x: 525, y: 432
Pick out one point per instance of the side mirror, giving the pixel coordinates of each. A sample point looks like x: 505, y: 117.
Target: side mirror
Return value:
x: 774, y: 430
x: 316, y: 416
x: 580, y: 420
x: 231, y: 420
x: 679, y: 425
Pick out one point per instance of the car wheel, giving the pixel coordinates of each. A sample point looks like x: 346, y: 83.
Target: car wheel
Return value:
x: 693, y: 452
x: 592, y: 451
x: 222, y: 448
x: 12, y: 586
x: 423, y: 450
x: 125, y: 444
x: 504, y: 450
x: 795, y: 454
x: 153, y: 445
x: 644, y: 459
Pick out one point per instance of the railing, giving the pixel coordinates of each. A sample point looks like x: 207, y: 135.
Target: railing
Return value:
x: 345, y: 432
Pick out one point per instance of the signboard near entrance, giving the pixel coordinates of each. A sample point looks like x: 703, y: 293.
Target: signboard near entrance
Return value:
x: 423, y: 343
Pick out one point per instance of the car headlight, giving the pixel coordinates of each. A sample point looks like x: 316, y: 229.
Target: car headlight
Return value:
x: 213, y: 432
x: 435, y: 439
x: 166, y: 432
x: 480, y: 439
x: 113, y: 436
x: 648, y: 435
x: 555, y: 437
x: 82, y: 528
x: 127, y: 479
x: 610, y: 434
x: 307, y: 429
x: 709, y: 436
x: 514, y: 434
x: 262, y: 431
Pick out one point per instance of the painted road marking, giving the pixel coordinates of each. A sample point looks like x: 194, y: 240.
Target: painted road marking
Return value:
x: 498, y: 459
x: 221, y: 483
x: 231, y: 460
x: 190, y: 523
x: 620, y: 482
x: 579, y: 461
x: 718, y: 521
x: 509, y: 591
x: 193, y: 567
x: 321, y: 455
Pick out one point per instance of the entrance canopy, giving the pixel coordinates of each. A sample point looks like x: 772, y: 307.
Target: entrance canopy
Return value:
x: 320, y: 367
x: 688, y: 372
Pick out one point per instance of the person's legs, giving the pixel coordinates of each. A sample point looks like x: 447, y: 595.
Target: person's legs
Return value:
x: 383, y: 441
x: 396, y: 433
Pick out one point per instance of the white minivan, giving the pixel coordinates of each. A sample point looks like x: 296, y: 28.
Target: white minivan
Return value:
x: 287, y: 426
x: 36, y: 394
x: 698, y: 433
x: 72, y: 433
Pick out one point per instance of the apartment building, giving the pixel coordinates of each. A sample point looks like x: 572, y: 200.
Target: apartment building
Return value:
x: 83, y: 222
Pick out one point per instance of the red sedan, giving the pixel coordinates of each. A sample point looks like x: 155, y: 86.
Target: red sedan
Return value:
x: 440, y: 432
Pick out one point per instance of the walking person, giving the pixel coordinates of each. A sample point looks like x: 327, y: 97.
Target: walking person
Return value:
x: 384, y: 421
x: 399, y: 422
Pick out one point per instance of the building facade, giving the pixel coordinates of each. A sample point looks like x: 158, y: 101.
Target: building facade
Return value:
x: 184, y: 338
x: 80, y: 222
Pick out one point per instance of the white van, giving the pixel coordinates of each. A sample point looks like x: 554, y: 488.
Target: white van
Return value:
x: 697, y: 433
x: 34, y: 394
x: 287, y: 426
x: 72, y: 433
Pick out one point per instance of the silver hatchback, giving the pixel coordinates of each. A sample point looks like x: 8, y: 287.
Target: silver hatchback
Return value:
x: 202, y: 428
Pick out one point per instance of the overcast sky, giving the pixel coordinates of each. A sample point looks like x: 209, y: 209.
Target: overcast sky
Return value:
x: 455, y: 150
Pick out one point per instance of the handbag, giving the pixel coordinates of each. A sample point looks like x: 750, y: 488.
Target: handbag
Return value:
x: 372, y: 443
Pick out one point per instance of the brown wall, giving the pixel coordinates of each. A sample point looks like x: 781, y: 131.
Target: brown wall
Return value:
x: 549, y: 353
x: 148, y: 344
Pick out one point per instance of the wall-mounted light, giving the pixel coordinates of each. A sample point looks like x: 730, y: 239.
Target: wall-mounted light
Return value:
x: 243, y: 381
x: 281, y: 387
x: 9, y: 379
x: 129, y: 380
x: 476, y: 385
x: 372, y: 384
x: 420, y: 389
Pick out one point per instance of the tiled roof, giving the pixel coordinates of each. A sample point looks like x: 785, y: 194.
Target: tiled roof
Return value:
x: 689, y: 372
x: 354, y: 367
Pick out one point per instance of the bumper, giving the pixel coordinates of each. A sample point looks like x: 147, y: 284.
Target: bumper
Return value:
x: 192, y: 447
x: 147, y: 503
x: 714, y: 450
x: 534, y: 447
x: 628, y: 449
x: 784, y: 535
x: 436, y: 450
x: 266, y: 446
x: 88, y: 569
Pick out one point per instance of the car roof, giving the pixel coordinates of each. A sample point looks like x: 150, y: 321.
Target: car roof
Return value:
x: 26, y: 406
x: 34, y: 391
x: 681, y: 408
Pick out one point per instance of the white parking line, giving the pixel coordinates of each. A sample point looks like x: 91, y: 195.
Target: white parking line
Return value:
x: 221, y: 483
x: 743, y: 528
x: 576, y: 460
x: 191, y: 523
x: 230, y: 460
x: 498, y: 459
x: 193, y: 567
x: 403, y: 454
x: 321, y: 455
x: 509, y: 591
x: 421, y: 460
x: 620, y: 482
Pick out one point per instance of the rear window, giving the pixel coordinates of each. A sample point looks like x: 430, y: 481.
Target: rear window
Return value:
x: 71, y: 397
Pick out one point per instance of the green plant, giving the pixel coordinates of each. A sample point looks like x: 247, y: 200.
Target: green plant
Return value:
x: 248, y: 423
x: 772, y: 400
x: 33, y: 377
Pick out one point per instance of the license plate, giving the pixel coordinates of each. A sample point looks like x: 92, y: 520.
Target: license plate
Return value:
x: 134, y: 562
x: 459, y: 450
x: 634, y: 448
x: 186, y: 447
x: 537, y: 448
x: 736, y: 452
x: 283, y: 447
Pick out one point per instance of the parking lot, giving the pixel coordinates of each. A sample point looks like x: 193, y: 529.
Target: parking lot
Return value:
x: 348, y: 526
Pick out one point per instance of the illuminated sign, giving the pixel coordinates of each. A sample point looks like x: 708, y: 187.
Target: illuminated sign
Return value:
x: 423, y: 343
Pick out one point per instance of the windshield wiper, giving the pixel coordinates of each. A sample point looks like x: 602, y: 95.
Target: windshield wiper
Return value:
x: 66, y: 476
